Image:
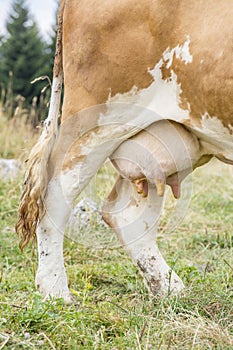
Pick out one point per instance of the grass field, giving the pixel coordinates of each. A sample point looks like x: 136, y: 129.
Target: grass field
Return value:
x: 112, y: 309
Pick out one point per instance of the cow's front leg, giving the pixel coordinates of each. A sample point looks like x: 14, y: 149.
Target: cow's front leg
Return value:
x: 134, y: 219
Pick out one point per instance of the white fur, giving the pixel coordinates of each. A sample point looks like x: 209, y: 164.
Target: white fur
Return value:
x: 215, y: 137
x: 180, y: 51
x: 51, y: 277
x: 135, y: 220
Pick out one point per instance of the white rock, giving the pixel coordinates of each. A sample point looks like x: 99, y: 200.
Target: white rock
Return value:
x: 9, y: 169
x: 86, y: 226
x: 86, y: 212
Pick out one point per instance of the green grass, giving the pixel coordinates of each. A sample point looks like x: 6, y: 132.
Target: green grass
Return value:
x: 112, y: 309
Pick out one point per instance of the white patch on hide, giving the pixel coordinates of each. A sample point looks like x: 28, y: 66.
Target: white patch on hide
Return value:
x: 162, y: 96
x: 216, y: 138
x: 181, y: 52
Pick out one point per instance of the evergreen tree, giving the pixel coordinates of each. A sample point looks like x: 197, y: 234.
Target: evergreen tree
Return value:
x: 51, y: 48
x: 22, y: 52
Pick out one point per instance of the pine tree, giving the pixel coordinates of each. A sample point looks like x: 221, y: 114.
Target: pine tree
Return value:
x: 22, y: 52
x: 51, y: 47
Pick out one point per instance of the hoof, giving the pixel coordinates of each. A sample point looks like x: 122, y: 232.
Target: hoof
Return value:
x: 54, y: 286
x: 164, y: 286
x: 160, y: 282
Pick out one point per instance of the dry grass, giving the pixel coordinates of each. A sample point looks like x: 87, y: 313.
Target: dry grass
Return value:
x: 16, y: 138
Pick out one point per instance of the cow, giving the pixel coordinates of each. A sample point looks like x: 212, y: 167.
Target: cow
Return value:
x: 150, y: 85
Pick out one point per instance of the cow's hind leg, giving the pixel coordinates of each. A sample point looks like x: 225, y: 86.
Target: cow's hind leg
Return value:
x: 134, y: 219
x: 51, y: 277
x: 63, y: 189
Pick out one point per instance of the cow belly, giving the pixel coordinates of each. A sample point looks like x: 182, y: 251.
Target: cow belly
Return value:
x: 165, y: 152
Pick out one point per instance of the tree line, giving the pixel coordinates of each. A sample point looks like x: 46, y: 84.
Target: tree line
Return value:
x: 24, y: 57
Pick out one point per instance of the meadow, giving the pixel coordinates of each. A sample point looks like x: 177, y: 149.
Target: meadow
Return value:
x: 113, y: 310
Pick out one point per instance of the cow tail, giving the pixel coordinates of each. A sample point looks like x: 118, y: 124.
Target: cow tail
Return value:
x: 31, y: 206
